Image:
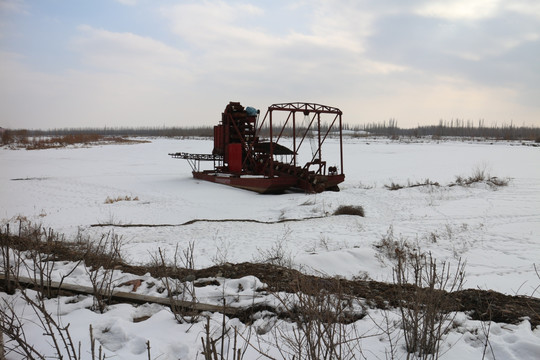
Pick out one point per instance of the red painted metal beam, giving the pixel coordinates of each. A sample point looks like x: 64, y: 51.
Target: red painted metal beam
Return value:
x: 306, y: 108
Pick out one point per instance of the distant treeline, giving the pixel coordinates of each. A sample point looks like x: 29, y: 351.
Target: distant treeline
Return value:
x: 24, y: 136
x: 202, y: 131
x: 452, y: 128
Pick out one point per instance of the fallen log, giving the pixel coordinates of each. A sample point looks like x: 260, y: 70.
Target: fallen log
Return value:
x: 124, y: 296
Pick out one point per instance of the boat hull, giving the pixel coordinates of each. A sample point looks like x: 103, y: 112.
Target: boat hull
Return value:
x: 266, y: 185
x: 262, y: 185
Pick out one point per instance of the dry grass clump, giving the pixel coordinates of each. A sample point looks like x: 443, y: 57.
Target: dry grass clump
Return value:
x: 495, y: 181
x: 480, y: 175
x: 390, y: 248
x: 350, y: 210
x: 112, y: 200
x: 394, y: 186
x: 427, y: 182
x: 492, y: 181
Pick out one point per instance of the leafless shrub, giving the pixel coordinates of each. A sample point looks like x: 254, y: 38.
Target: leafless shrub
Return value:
x: 53, y: 247
x: 350, y: 210
x: 5, y: 248
x: 180, y: 285
x: 44, y: 261
x: 422, y: 301
x: 486, y: 330
x: 12, y: 325
x: 220, y: 348
x: 34, y: 253
x: 62, y: 345
x: 109, y: 249
x: 100, y: 353
x: 391, y: 329
x: 36, y: 260
x: 533, y: 293
x: 322, y: 325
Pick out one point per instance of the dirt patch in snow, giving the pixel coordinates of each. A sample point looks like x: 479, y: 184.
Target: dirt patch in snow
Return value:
x: 479, y: 304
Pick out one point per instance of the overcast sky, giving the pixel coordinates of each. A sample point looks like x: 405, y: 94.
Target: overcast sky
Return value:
x: 95, y: 63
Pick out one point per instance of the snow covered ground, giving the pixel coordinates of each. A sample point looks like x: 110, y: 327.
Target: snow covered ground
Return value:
x: 495, y: 230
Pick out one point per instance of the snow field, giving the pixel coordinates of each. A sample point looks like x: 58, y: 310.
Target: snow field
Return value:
x: 495, y: 230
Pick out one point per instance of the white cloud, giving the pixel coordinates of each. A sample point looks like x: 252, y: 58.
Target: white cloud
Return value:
x: 494, y: 47
x: 218, y: 25
x: 126, y: 80
x: 16, y: 6
x: 127, y: 2
x: 524, y: 7
x: 472, y: 10
x: 342, y: 26
x: 9, y: 9
x: 447, y: 98
x: 373, y: 60
x: 227, y: 37
x: 129, y: 53
x: 34, y: 99
x: 382, y: 68
x: 460, y: 9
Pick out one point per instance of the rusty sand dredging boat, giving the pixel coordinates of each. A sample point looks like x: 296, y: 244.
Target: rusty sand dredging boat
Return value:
x: 243, y: 159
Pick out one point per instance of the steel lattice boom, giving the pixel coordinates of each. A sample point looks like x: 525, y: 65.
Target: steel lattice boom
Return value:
x: 305, y: 108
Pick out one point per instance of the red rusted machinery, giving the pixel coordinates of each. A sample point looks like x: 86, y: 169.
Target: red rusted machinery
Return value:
x: 243, y: 159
